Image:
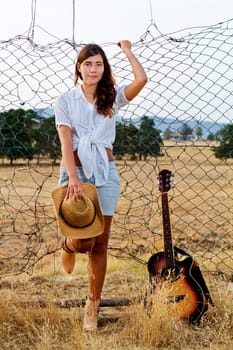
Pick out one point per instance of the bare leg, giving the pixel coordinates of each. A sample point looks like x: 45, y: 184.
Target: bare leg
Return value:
x: 96, y: 275
x: 97, y: 250
x: 98, y: 262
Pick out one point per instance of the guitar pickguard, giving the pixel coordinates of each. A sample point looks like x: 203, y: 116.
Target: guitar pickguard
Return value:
x: 170, y: 274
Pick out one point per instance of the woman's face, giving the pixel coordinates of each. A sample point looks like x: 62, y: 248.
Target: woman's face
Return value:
x: 92, y: 69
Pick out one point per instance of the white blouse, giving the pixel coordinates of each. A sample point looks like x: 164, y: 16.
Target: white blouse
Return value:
x: 91, y: 131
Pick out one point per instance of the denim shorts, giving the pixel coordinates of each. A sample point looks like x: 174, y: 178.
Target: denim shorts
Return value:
x: 108, y: 193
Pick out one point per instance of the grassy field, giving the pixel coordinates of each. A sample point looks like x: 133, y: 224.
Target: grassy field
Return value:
x: 27, y: 324
x: 31, y: 316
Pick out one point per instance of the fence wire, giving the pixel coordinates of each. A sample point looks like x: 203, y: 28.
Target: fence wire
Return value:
x: 190, y: 85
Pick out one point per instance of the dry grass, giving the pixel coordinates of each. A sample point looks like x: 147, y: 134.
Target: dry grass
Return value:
x: 30, y: 326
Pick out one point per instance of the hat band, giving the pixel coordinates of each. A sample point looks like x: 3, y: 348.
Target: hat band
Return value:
x: 76, y: 226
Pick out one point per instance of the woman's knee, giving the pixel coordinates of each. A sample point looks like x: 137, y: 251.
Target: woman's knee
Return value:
x: 83, y: 245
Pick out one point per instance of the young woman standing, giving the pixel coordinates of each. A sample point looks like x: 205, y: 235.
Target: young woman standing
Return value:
x: 85, y: 119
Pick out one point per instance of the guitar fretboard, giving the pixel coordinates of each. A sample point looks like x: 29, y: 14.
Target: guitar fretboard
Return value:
x: 168, y: 248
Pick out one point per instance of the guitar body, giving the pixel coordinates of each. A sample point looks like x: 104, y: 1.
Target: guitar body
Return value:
x: 174, y: 274
x: 182, y: 293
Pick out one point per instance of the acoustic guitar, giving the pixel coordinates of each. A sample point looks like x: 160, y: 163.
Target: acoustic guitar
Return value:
x: 176, y: 272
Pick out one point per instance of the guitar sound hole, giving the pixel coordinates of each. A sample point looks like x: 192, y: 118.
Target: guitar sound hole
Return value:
x: 170, y: 274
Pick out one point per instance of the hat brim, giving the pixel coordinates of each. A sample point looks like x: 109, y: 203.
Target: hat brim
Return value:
x: 93, y: 230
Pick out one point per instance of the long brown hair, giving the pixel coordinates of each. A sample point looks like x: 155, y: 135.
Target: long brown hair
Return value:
x: 105, y: 93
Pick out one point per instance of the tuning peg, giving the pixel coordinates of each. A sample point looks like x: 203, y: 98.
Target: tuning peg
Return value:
x: 172, y: 185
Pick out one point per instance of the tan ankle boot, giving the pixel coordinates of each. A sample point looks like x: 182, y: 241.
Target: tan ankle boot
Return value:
x: 90, y: 319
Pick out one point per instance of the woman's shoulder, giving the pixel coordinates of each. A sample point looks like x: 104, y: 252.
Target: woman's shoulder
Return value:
x: 120, y: 95
x: 74, y: 92
x: 119, y: 88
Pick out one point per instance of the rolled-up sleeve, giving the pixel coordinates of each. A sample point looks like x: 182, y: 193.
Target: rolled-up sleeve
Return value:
x: 121, y: 99
x: 62, y: 112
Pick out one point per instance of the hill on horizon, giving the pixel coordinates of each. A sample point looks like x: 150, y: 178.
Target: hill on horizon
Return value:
x: 160, y: 123
x: 163, y: 123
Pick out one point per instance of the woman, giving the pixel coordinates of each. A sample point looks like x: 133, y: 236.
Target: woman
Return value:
x: 85, y: 120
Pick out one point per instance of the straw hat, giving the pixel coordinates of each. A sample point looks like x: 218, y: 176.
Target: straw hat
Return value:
x: 79, y: 219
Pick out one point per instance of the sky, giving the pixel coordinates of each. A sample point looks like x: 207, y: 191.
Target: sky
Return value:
x: 106, y: 21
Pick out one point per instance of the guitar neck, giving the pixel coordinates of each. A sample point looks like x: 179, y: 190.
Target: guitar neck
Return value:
x: 168, y: 248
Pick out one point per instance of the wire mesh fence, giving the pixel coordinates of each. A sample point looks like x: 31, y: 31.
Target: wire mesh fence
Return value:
x: 187, y: 101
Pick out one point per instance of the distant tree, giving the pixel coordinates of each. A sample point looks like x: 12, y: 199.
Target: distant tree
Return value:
x: 225, y: 149
x: 46, y: 140
x: 199, y: 132
x: 167, y: 134
x: 16, y: 126
x: 126, y: 140
x: 149, y: 139
x: 185, y: 130
x: 211, y: 136
x: 133, y: 141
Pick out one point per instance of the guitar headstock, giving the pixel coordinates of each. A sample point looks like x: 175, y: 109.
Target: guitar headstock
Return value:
x: 165, y: 180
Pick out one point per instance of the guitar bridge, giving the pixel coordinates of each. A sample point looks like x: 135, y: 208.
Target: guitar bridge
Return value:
x: 175, y: 299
